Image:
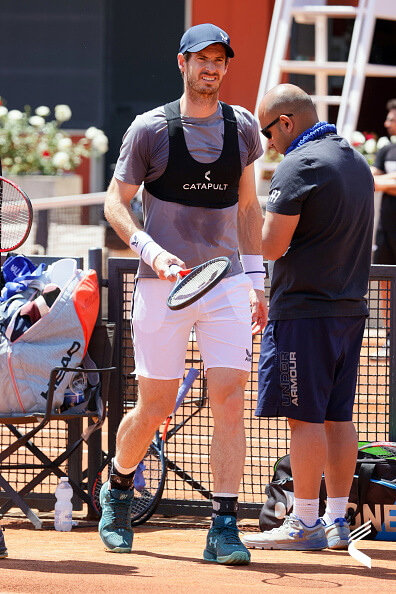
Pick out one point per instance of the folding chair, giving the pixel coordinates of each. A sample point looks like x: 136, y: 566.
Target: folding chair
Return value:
x: 101, y: 352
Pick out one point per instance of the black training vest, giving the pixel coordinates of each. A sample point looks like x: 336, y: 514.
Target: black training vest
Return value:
x: 188, y: 182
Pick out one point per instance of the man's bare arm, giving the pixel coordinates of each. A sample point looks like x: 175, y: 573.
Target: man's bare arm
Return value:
x: 376, y: 171
x: 250, y: 220
x: 120, y: 216
x: 117, y: 209
x: 386, y: 182
x: 277, y: 234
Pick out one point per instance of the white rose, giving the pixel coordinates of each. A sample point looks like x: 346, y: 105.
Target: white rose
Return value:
x: 36, y: 121
x: 357, y: 138
x: 62, y: 113
x: 42, y: 146
x: 61, y: 160
x: 383, y: 141
x: 370, y: 145
x: 100, y: 143
x: 3, y: 110
x: 15, y: 115
x: 91, y: 132
x: 42, y: 111
x: 64, y: 144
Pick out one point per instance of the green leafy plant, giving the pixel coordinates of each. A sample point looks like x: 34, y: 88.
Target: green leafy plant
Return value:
x: 32, y: 144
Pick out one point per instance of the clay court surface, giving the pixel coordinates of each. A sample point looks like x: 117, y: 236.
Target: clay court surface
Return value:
x: 167, y: 556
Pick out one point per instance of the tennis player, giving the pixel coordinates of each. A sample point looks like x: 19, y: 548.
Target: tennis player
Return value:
x: 318, y: 233
x: 195, y: 157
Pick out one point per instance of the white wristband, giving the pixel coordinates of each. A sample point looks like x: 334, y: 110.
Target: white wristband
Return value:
x: 144, y: 245
x: 253, y: 266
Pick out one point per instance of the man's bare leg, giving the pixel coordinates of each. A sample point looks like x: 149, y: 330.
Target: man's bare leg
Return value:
x: 308, y: 453
x: 339, y: 470
x: 301, y: 530
x: 155, y: 401
x: 226, y: 396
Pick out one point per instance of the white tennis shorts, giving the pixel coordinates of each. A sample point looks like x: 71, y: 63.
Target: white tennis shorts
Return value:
x: 221, y: 318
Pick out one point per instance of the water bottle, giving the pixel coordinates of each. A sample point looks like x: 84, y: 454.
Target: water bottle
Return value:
x: 63, y: 505
x: 74, y: 393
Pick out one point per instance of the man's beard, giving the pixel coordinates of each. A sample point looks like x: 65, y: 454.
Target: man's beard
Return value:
x: 200, y: 90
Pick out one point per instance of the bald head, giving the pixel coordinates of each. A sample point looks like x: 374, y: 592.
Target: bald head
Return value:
x: 288, y: 99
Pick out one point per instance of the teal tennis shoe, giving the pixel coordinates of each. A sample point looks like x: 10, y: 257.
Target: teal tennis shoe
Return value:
x: 115, y: 528
x: 223, y: 544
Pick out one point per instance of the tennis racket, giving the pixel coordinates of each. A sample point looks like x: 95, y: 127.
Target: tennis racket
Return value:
x: 385, y: 449
x: 193, y: 283
x: 16, y: 216
x: 151, y: 473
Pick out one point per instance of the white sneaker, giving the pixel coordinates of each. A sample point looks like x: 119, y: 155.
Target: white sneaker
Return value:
x: 337, y: 534
x: 292, y: 535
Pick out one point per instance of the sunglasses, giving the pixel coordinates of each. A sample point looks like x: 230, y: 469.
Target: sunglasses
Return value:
x: 267, y: 134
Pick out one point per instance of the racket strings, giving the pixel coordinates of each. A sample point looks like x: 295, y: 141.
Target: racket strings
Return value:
x: 199, y: 280
x: 390, y: 450
x: 383, y: 449
x: 15, y: 216
x: 385, y: 452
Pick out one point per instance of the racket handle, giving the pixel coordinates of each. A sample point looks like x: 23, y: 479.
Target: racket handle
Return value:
x: 185, y: 387
x: 174, y: 269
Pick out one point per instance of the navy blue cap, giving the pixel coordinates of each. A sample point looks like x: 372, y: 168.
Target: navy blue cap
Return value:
x: 198, y: 37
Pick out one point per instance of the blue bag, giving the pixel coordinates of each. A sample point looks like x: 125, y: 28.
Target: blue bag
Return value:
x: 18, y: 272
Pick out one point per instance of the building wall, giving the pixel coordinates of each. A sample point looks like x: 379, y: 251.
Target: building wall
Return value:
x: 142, y: 44
x: 247, y: 23
x: 108, y: 59
x: 54, y: 52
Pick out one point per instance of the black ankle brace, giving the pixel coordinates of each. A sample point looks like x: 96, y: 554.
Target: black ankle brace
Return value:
x: 122, y: 482
x: 225, y: 506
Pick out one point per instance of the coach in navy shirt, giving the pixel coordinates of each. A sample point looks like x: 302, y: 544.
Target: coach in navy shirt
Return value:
x: 318, y: 235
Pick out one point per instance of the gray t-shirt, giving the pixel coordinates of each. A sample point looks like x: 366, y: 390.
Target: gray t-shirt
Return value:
x: 194, y: 234
x: 325, y: 270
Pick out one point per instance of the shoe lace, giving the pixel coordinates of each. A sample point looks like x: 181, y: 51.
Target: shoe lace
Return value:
x: 230, y: 535
x: 288, y: 520
x: 121, y: 514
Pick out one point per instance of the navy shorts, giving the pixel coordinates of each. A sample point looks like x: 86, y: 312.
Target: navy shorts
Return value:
x: 308, y: 368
